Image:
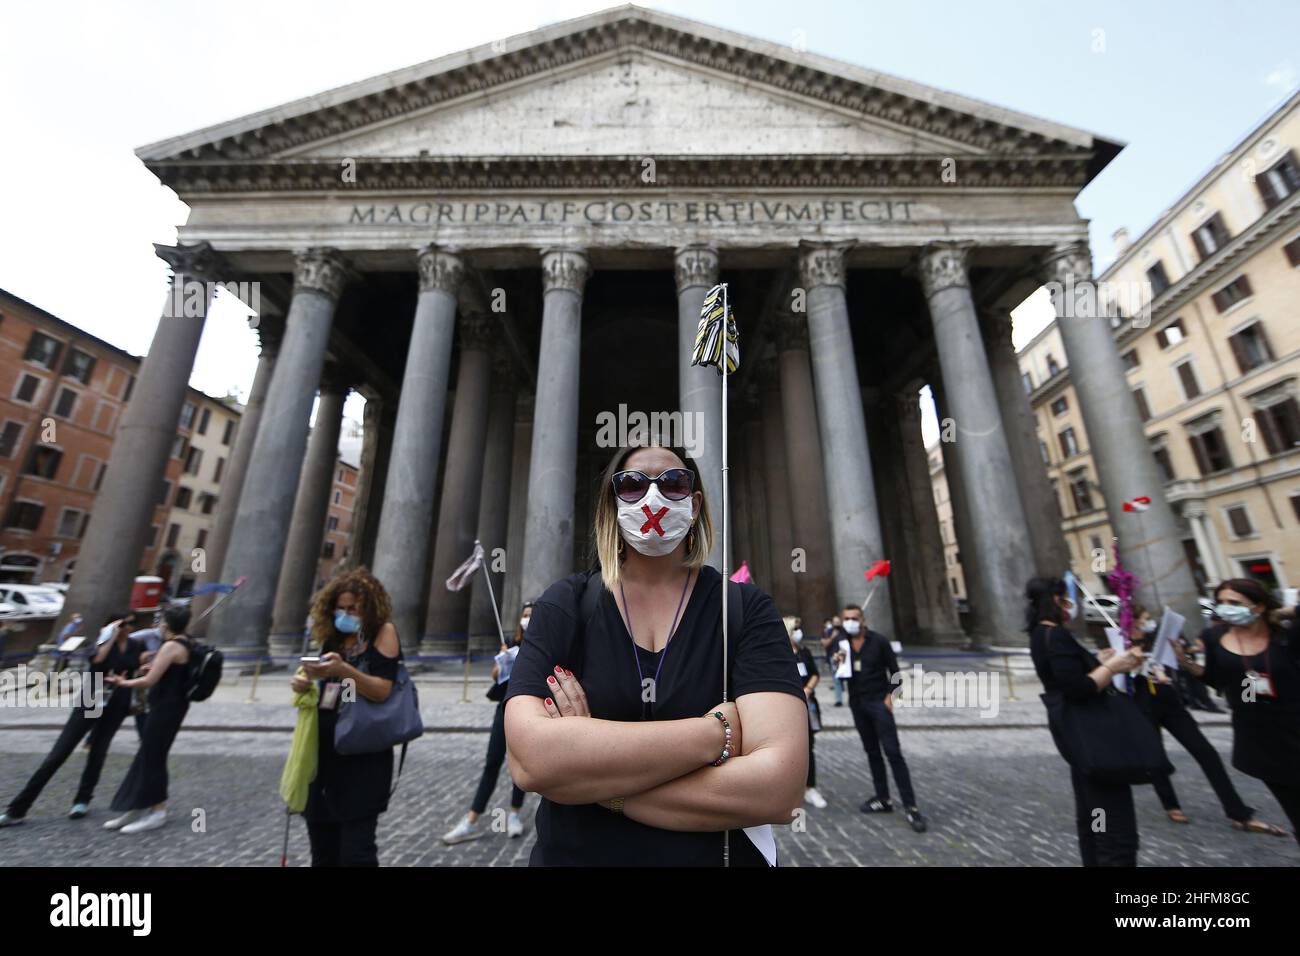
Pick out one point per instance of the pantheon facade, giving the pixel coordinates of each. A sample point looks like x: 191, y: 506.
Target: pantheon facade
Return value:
x: 499, y: 247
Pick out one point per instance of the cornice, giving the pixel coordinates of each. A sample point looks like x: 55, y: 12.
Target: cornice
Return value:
x: 451, y: 173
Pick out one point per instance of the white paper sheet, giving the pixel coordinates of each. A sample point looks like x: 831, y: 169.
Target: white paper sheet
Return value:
x: 1171, y: 625
x: 845, y: 669
x: 1116, y: 639
x: 762, y: 838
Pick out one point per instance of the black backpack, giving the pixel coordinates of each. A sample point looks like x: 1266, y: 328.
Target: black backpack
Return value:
x: 204, y: 670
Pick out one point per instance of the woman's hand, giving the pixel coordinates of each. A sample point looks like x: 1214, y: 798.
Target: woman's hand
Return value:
x: 567, y: 696
x: 331, y: 665
x: 1126, y: 662
x: 300, y: 682
x: 1105, y: 654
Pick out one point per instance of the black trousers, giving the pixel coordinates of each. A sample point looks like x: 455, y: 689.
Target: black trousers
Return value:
x: 350, y: 843
x: 80, y: 723
x: 496, y: 755
x: 812, y: 759
x: 1288, y: 795
x: 876, y: 727
x: 1106, y: 822
x: 1182, y: 725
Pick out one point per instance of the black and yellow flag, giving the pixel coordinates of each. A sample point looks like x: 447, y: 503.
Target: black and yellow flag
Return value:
x: 717, y: 332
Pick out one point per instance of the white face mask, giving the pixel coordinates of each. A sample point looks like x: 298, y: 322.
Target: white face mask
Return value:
x: 797, y: 634
x: 665, y: 522
x: 523, y: 622
x: 1149, y: 627
x: 1071, y: 612
x: 851, y: 627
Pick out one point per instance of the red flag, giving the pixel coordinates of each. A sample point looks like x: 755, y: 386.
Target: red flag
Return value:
x: 742, y: 573
x: 879, y: 569
x: 1139, y: 504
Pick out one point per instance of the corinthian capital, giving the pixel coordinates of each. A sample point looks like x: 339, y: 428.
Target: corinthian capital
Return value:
x: 696, y: 265
x: 199, y: 261
x: 942, y: 265
x: 822, y: 263
x: 321, y: 270
x: 440, y: 270
x: 564, y: 269
x: 1071, y: 262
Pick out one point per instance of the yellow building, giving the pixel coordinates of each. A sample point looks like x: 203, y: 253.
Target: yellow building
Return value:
x: 1208, y: 326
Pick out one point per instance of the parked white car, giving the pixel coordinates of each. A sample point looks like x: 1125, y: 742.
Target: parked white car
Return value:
x: 32, y: 599
x: 1093, y: 607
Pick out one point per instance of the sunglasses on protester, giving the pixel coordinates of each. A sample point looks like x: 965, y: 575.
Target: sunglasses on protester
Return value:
x: 674, y: 484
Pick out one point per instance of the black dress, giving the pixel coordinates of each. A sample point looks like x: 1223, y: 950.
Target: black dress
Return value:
x: 353, y: 786
x: 146, y: 782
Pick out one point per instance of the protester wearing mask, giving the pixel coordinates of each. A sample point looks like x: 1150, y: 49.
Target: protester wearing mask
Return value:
x: 1067, y: 668
x: 1156, y: 695
x: 810, y: 676
x: 352, y: 629
x: 114, y: 653
x: 142, y: 798
x: 832, y: 634
x: 612, y: 714
x: 1254, y: 660
x: 468, y: 827
x: 872, y: 667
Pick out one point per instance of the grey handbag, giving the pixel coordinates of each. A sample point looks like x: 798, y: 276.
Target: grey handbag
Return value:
x: 366, y: 727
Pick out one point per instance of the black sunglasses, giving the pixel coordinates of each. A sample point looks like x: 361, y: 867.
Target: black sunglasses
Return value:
x: 674, y: 484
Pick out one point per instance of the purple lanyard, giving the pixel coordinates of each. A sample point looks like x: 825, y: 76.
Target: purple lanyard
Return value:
x: 671, y: 631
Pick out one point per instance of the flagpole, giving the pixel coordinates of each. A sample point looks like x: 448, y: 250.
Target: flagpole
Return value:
x: 726, y: 312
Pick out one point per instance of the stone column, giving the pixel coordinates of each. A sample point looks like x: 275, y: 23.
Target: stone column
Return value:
x: 548, y: 531
x: 257, y: 541
x: 891, y: 486
x: 361, y: 507
x: 1041, y: 506
x: 981, y: 629
x: 494, y: 507
x: 310, y: 512
x: 1196, y: 514
x: 700, y: 388
x: 521, y: 451
x: 854, y: 518
x: 232, y: 476
x: 115, y: 538
x: 1150, y: 542
x: 446, y: 626
x: 402, y: 545
x: 806, y: 470
x: 997, y: 521
x: 936, y: 612
x: 784, y: 584
x: 387, y: 415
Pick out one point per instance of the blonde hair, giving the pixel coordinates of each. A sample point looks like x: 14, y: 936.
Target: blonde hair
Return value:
x: 789, y: 621
x: 607, y: 541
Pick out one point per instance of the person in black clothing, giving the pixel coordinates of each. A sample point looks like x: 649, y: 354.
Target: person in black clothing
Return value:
x: 811, y: 677
x: 832, y: 634
x: 1254, y: 660
x: 114, y: 654
x: 873, y: 675
x: 352, y: 628
x: 656, y: 771
x: 145, y: 786
x: 1159, y: 699
x: 1068, y: 668
x: 467, y: 828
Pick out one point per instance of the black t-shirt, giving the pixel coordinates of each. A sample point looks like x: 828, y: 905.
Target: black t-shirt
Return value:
x: 690, y: 682
x: 120, y: 661
x: 871, y: 667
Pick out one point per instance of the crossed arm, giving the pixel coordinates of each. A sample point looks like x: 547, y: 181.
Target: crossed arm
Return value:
x: 662, y: 768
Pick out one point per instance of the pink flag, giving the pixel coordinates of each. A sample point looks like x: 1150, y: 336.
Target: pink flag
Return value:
x: 742, y: 573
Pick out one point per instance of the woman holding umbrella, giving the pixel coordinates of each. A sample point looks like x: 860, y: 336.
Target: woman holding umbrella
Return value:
x: 612, y: 715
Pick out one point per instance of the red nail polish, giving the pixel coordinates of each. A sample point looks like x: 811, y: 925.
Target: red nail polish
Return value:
x: 559, y: 669
x: 548, y: 702
x: 550, y: 680
x: 568, y: 673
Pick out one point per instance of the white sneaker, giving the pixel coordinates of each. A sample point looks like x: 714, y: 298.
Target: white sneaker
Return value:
x: 150, y: 821
x: 118, y: 822
x: 816, y: 799
x: 463, y: 831
x: 514, y: 826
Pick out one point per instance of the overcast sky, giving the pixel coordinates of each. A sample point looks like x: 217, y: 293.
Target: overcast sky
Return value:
x: 83, y: 84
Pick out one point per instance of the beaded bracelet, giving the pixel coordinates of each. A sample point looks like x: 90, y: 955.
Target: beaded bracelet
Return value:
x: 726, y: 747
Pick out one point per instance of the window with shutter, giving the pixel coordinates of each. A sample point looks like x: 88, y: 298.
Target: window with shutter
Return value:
x: 1144, y: 410
x: 1292, y: 251
x: 1187, y: 376
x: 1240, y: 521
x: 1198, y: 452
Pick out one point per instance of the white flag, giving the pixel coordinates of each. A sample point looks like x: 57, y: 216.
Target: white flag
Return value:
x: 460, y: 577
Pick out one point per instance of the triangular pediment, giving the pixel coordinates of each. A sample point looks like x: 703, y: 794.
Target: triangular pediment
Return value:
x: 624, y: 82
x: 631, y: 103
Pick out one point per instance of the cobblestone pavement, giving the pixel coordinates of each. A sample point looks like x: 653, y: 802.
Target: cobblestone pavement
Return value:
x: 996, y: 793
